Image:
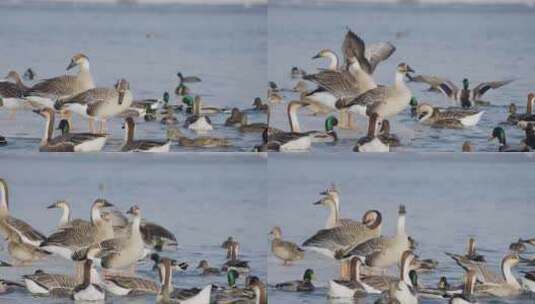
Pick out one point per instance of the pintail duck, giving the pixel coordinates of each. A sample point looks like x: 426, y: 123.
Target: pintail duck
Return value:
x: 168, y: 294
x: 304, y: 285
x: 528, y: 281
x: 10, y: 224
x: 285, y: 250
x: 382, y: 251
x: 198, y: 122
x: 522, y: 119
x: 55, y: 284
x: 447, y: 118
x: 330, y: 241
x: 67, y: 142
x: 499, y: 134
x: 348, y: 287
x: 372, y: 142
x: 12, y: 93
x: 22, y: 253
x: 174, y: 134
x: 89, y: 290
x: 7, y: 286
x: 206, y: 269
x: 259, y: 289
x: 316, y: 136
x: 177, y: 266
x: 284, y: 141
x: 233, y: 261
x: 48, y: 91
x: 469, y: 97
x: 332, y: 201
x: 127, y: 285
x: 466, y: 297
x: 403, y: 290
x: 392, y: 140
x: 131, y: 145
x: 387, y: 101
x: 507, y: 286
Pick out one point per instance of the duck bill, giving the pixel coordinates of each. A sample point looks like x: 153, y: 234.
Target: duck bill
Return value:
x: 71, y: 65
x: 121, y: 98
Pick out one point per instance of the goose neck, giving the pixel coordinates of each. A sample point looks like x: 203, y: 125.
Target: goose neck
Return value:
x: 292, y: 117
x: 66, y: 216
x: 509, y: 276
x: 401, y: 225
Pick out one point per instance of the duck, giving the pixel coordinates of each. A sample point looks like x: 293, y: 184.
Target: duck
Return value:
x: 441, y: 291
x: 67, y: 142
x: 470, y: 97
x: 198, y: 122
x: 182, y: 89
x: 174, y: 134
x: 141, y: 145
x: 331, y: 200
x: 206, y: 269
x: 284, y: 141
x: 329, y: 241
x: 259, y: 289
x: 304, y: 285
x: 386, y: 101
x: 507, y: 286
x: 101, y: 103
x: 177, y: 266
x: 89, y: 290
x: 168, y: 294
x: 22, y: 253
x: 372, y: 142
x: 44, y: 283
x: 446, y: 118
x: 296, y: 72
x: 229, y: 241
x: 467, y: 146
x: 433, y: 81
x: 235, y: 118
x: 413, y: 103
x: 30, y: 74
x: 316, y: 136
x: 12, y: 93
x: 348, y: 287
x: 3, y: 141
x: 513, y: 116
x: 7, y: 286
x: 522, y: 119
x: 386, y: 137
x: 259, y: 106
x: 517, y: 247
x: 529, y: 141
x: 499, y: 134
x: 246, y: 127
x: 46, y: 92
x: 233, y: 261
x: 232, y: 293
x: 528, y: 281
x: 203, y: 110
x: 285, y: 250
x: 169, y: 119
x: 403, y: 290
x: 382, y: 251
x: 9, y: 224
x: 129, y: 285
x: 273, y: 97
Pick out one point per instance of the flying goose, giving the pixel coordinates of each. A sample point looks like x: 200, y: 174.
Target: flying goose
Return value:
x: 127, y: 285
x: 48, y: 91
x: 12, y: 93
x: 44, y: 283
x: 131, y: 145
x: 304, y: 285
x: 206, y: 269
x: 101, y: 103
x: 67, y: 142
x: 168, y: 294
x: 10, y: 224
x: 499, y: 134
x: 447, y: 118
x: 285, y: 250
x: 466, y: 96
x: 330, y: 241
x: 89, y: 290
x: 508, y: 286
x: 22, y: 253
x: 372, y: 142
x: 382, y: 251
x: 387, y: 101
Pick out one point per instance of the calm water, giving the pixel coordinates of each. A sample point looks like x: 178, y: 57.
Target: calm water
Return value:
x: 147, y: 45
x: 448, y: 199
x: 483, y: 43
x: 198, y: 197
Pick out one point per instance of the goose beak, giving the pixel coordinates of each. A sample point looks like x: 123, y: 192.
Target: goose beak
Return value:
x: 317, y: 203
x: 51, y: 206
x: 106, y: 204
x: 318, y: 55
x: 71, y: 65
x: 323, y: 193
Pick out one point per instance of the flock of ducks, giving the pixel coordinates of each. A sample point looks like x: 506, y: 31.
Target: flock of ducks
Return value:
x: 365, y: 255
x: 115, y: 244
x: 349, y: 88
x: 67, y: 94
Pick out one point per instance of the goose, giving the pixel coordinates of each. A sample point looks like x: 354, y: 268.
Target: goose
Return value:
x: 131, y: 145
x: 304, y: 285
x: 382, y: 251
x: 528, y: 281
x: 65, y: 219
x: 468, y: 97
x: 445, y: 118
x: 386, y: 137
x: 328, y: 241
x: 402, y: 290
x: 80, y: 234
x: 372, y: 142
x: 285, y: 250
x: 468, y: 291
x: 89, y: 290
x: 127, y: 285
x: 10, y: 224
x: 12, y: 93
x: 233, y: 261
x: 198, y: 122
x: 206, y: 269
x: 168, y: 294
x: 22, y: 253
x: 46, y: 92
x: 508, y: 286
x: 387, y: 101
x: 331, y: 200
x: 232, y: 293
x: 316, y: 136
x: 101, y: 103
x: 259, y: 289
x: 499, y: 134
x: 7, y: 286
x: 67, y: 142
x: 55, y: 284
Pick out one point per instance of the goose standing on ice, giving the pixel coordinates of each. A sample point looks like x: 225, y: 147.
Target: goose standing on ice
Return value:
x: 285, y: 250
x: 67, y: 142
x: 466, y: 96
x: 131, y: 145
x: 447, y: 118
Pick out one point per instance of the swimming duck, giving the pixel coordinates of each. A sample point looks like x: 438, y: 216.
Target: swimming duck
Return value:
x: 126, y: 285
x: 348, y: 287
x: 235, y: 118
x: 414, y: 105
x: 507, y: 286
x: 233, y: 261
x: 403, y: 291
x: 229, y: 241
x: 296, y: 72
x: 169, y: 119
x: 528, y: 281
x: 329, y: 241
x: 177, y: 266
x: 499, y: 134
x: 285, y: 141
x: 7, y: 286
x: 273, y: 97
x: 246, y: 127
x: 259, y: 289
x: 203, y: 110
x: 131, y: 145
x: 89, y: 290
x: 198, y: 122
x: 469, y: 97
x: 258, y: 105
x: 304, y: 285
x: 12, y: 93
x: 168, y: 294
x: 385, y: 136
x: 441, y: 291
x: 174, y: 133
x: 523, y: 119
x: 206, y: 269
x: 67, y: 142
x: 372, y: 142
x: 29, y: 74
x: 232, y: 293
x: 447, y: 118
x: 529, y: 141
x: 285, y: 250
x: 3, y: 141
x: 44, y: 283
x: 10, y: 224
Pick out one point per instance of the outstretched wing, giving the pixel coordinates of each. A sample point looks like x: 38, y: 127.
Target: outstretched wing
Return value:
x: 354, y: 47
x: 483, y: 87
x: 378, y: 52
x: 449, y: 89
x: 340, y: 84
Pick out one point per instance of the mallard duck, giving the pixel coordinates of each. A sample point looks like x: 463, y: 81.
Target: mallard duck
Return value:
x: 499, y: 134
x: 470, y: 97
x: 299, y: 285
x: 131, y: 145
x: 283, y: 141
x: 372, y: 142
x: 174, y: 133
x: 67, y: 142
x: 206, y: 269
x: 169, y: 119
x: 285, y: 250
x: 447, y: 118
x: 232, y: 293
